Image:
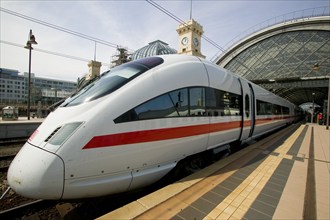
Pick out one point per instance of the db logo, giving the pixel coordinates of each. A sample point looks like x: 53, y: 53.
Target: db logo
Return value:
x: 33, y: 135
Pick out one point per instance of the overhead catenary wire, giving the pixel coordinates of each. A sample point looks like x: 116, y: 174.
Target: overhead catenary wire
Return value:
x: 100, y: 41
x: 68, y: 31
x: 52, y: 52
x: 165, y: 11
x: 182, y: 22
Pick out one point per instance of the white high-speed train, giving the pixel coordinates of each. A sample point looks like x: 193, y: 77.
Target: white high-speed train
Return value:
x: 133, y: 125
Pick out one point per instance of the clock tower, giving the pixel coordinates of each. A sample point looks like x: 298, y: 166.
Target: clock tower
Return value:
x: 190, y: 34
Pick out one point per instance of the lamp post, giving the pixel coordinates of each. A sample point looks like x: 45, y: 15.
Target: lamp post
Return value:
x: 328, y: 107
x: 312, y: 108
x: 55, y: 94
x: 31, y: 40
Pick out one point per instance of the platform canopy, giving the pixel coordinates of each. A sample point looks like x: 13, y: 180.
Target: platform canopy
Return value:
x: 291, y: 58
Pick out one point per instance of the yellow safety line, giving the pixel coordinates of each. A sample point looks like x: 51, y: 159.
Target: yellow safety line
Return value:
x: 239, y: 201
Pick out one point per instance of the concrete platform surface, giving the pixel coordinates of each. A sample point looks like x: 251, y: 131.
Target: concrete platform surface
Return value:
x: 21, y: 128
x: 22, y: 120
x: 283, y: 176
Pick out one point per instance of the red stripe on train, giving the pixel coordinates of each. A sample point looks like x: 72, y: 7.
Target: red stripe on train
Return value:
x: 166, y: 133
x: 158, y: 134
x: 268, y: 120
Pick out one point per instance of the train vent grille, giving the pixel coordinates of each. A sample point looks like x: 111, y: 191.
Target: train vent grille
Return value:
x: 52, y: 134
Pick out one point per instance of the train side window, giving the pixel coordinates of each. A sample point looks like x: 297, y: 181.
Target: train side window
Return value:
x: 266, y: 108
x: 269, y: 108
x: 220, y: 103
x: 179, y: 99
x: 234, y: 104
x: 159, y: 107
x: 172, y: 104
x: 261, y: 107
x: 226, y: 103
x: 277, y: 110
x: 197, y: 101
x: 214, y: 102
x: 286, y: 110
x: 126, y: 117
x: 247, y: 106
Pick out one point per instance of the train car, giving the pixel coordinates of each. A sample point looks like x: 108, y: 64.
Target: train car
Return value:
x: 134, y: 124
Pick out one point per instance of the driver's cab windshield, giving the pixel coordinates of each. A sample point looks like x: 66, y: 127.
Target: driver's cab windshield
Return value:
x: 112, y: 80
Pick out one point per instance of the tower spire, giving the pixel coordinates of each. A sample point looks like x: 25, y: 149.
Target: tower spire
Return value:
x: 190, y: 9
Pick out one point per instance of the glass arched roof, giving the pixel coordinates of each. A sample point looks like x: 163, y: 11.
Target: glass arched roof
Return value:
x: 293, y: 51
x: 154, y: 48
x: 286, y: 55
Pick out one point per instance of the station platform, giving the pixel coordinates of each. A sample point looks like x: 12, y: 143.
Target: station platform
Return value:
x: 283, y: 176
x: 20, y: 128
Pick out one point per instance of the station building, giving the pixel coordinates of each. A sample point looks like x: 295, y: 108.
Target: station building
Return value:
x: 14, y: 89
x: 290, y: 59
x: 157, y: 47
x: 189, y: 35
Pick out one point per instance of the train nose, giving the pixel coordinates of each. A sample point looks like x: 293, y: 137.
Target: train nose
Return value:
x: 36, y: 173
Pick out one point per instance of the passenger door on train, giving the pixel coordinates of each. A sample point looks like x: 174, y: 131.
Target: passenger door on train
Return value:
x: 252, y: 110
x: 248, y: 116
x: 223, y: 104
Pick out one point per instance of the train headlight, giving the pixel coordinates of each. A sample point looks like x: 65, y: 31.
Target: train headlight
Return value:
x: 61, y: 134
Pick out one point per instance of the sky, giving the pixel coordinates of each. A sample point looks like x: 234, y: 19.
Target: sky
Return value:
x: 132, y: 24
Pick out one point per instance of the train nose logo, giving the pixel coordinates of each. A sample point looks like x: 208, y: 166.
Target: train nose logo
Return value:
x: 33, y: 135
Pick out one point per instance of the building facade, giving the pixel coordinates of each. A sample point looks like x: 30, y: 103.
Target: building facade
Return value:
x: 45, y: 91
x: 12, y: 87
x: 190, y: 34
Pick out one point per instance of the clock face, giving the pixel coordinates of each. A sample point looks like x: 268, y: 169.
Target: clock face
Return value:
x: 184, y: 41
x: 196, y: 42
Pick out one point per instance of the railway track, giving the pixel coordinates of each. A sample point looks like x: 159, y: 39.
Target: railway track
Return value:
x: 17, y: 210
x: 5, y: 161
x: 82, y: 209
x: 7, y: 157
x: 13, y: 206
x: 4, y: 169
x: 6, y: 142
x: 8, y: 150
